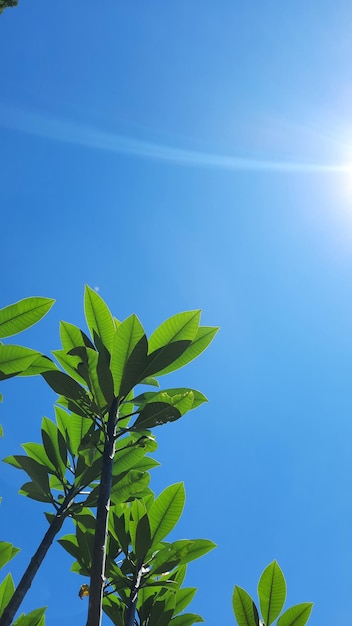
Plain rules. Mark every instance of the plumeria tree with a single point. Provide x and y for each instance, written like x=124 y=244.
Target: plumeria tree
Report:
x=93 y=466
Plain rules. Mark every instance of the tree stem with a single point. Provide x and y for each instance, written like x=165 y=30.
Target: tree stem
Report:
x=36 y=560
x=97 y=578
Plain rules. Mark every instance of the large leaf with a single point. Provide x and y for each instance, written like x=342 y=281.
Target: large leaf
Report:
x=19 y=316
x=297 y=615
x=71 y=393
x=15 y=359
x=70 y=364
x=180 y=552
x=88 y=368
x=99 y=319
x=129 y=353
x=271 y=592
x=201 y=341
x=143 y=538
x=245 y=610
x=114 y=609
x=165 y=511
x=7 y=588
x=7 y=552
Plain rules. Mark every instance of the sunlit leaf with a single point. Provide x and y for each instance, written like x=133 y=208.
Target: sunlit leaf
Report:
x=245 y=610
x=21 y=315
x=165 y=511
x=15 y=359
x=98 y=317
x=271 y=592
x=7 y=552
x=297 y=615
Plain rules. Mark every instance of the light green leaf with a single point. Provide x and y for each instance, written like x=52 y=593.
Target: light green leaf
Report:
x=74 y=426
x=70 y=364
x=99 y=319
x=165 y=511
x=297 y=615
x=15 y=359
x=271 y=592
x=163 y=409
x=19 y=316
x=179 y=327
x=245 y=610
x=7 y=588
x=7 y=552
x=41 y=364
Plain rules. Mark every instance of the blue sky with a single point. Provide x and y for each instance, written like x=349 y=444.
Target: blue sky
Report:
x=189 y=155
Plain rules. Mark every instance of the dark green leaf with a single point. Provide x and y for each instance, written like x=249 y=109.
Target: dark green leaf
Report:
x=297 y=615
x=37 y=472
x=54 y=445
x=114 y=609
x=35 y=492
x=143 y=538
x=245 y=610
x=271 y=592
x=19 y=316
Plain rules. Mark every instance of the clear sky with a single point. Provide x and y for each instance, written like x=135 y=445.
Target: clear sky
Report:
x=195 y=154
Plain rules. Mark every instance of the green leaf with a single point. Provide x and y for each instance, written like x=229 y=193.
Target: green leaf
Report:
x=245 y=610
x=182 y=326
x=186 y=620
x=271 y=592
x=35 y=618
x=163 y=409
x=143 y=537
x=148 y=396
x=297 y=615
x=165 y=511
x=70 y=364
x=15 y=360
x=99 y=319
x=41 y=364
x=37 y=472
x=35 y=492
x=74 y=426
x=184 y=597
x=88 y=368
x=7 y=589
x=178 y=553
x=7 y=552
x=73 y=337
x=68 y=388
x=150 y=381
x=114 y=609
x=170 y=340
x=37 y=452
x=19 y=316
x=129 y=353
x=55 y=446
x=201 y=341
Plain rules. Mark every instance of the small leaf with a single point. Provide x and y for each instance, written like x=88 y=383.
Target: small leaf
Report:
x=297 y=615
x=129 y=353
x=201 y=341
x=271 y=592
x=186 y=620
x=184 y=597
x=7 y=552
x=245 y=610
x=19 y=316
x=34 y=618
